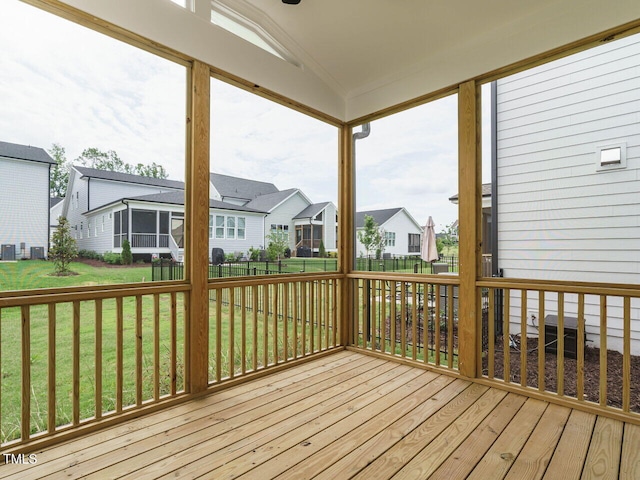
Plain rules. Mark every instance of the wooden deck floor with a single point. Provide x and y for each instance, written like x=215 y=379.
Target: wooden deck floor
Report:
x=351 y=416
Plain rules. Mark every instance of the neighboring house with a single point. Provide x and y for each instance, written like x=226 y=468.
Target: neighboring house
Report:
x=568 y=179
x=24 y=201
x=402 y=232
x=288 y=211
x=104 y=208
x=55 y=211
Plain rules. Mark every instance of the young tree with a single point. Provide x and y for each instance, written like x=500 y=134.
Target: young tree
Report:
x=95 y=158
x=278 y=242
x=126 y=256
x=59 y=172
x=64 y=248
x=371 y=236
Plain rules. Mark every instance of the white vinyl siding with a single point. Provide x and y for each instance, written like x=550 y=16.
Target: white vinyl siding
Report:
x=24 y=205
x=283 y=215
x=560 y=215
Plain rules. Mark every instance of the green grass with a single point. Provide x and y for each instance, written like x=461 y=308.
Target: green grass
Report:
x=29 y=274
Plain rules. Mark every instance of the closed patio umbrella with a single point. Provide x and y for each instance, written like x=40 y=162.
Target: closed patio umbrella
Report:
x=429 y=251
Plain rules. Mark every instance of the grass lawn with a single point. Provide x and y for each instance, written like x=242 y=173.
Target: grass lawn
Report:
x=28 y=274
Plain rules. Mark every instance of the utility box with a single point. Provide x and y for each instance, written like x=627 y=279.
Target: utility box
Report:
x=570 y=335
x=8 y=252
x=37 y=253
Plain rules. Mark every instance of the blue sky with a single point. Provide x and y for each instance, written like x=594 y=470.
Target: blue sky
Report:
x=66 y=84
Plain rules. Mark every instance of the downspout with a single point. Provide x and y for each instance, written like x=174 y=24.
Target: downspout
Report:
x=48 y=216
x=366 y=130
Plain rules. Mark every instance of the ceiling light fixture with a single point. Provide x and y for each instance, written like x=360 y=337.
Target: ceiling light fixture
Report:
x=291 y=2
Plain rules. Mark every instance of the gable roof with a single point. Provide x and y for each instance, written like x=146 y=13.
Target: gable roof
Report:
x=270 y=201
x=177 y=198
x=242 y=188
x=312 y=210
x=87 y=172
x=53 y=201
x=486 y=192
x=25 y=152
x=379 y=216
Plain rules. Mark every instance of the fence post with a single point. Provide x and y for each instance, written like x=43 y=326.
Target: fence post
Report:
x=279 y=266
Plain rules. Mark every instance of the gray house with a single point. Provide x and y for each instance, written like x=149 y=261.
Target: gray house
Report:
x=402 y=232
x=24 y=201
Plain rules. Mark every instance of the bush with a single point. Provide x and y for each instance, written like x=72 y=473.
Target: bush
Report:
x=112 y=258
x=126 y=256
x=90 y=254
x=254 y=254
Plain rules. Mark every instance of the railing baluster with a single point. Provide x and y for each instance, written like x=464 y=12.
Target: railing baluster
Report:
x=403 y=318
x=491 y=334
x=285 y=319
x=274 y=313
x=138 y=350
x=243 y=330
x=265 y=326
x=156 y=346
x=303 y=325
x=51 y=370
x=603 y=350
x=296 y=299
x=425 y=323
x=174 y=343
x=392 y=315
x=25 y=424
x=254 y=300
x=312 y=316
x=98 y=358
x=119 y=353
x=626 y=355
x=506 y=336
x=436 y=322
x=232 y=332
x=334 y=312
x=383 y=316
x=450 y=314
x=414 y=321
x=372 y=316
x=560 y=349
x=523 y=338
x=218 y=332
x=541 y=343
x=319 y=315
x=76 y=363
x=580 y=362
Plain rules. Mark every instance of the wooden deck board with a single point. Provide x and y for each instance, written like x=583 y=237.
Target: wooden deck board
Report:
x=350 y=415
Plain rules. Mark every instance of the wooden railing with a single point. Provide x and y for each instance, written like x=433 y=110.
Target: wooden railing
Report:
x=566 y=342
x=401 y=316
x=72 y=357
x=258 y=324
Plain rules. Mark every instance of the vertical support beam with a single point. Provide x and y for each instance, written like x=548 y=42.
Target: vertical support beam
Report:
x=470 y=188
x=346 y=231
x=196 y=225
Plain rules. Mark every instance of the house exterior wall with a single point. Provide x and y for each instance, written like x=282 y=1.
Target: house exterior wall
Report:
x=400 y=224
x=283 y=215
x=329 y=219
x=254 y=234
x=561 y=215
x=24 y=205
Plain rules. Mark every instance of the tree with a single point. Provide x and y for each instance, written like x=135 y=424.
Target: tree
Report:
x=64 y=248
x=111 y=161
x=59 y=172
x=371 y=236
x=278 y=242
x=127 y=258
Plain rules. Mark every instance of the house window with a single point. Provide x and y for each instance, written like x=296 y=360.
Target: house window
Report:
x=280 y=228
x=120 y=227
x=414 y=243
x=228 y=227
x=102 y=223
x=219 y=226
x=89 y=229
x=390 y=239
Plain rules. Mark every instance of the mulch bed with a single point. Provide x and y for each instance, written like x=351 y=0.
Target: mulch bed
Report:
x=100 y=263
x=591 y=373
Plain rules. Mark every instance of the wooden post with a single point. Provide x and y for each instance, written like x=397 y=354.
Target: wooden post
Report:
x=346 y=231
x=196 y=225
x=470 y=188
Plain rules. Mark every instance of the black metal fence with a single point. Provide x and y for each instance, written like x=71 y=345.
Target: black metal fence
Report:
x=164 y=269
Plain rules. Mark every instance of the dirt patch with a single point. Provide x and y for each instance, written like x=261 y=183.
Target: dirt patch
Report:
x=591 y=375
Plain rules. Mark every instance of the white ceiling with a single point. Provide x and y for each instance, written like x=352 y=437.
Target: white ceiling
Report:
x=362 y=56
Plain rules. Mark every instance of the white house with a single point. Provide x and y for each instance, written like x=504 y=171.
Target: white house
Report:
x=402 y=232
x=24 y=201
x=567 y=170
x=287 y=211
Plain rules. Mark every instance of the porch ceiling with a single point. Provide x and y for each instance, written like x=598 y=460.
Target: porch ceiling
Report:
x=360 y=56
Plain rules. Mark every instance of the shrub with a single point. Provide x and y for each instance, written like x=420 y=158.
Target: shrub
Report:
x=254 y=254
x=112 y=258
x=64 y=248
x=126 y=257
